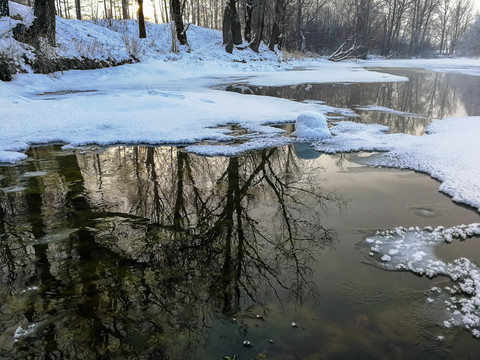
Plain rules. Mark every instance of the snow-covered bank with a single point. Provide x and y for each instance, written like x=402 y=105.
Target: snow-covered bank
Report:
x=103 y=43
x=447 y=65
x=164 y=99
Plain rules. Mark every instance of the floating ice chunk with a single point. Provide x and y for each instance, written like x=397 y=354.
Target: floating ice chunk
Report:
x=30 y=174
x=386 y=258
x=387 y=110
x=30 y=288
x=11 y=156
x=413 y=249
x=20 y=331
x=312 y=125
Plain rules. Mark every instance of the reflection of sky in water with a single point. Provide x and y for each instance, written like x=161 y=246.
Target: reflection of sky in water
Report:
x=118 y=238
x=429 y=95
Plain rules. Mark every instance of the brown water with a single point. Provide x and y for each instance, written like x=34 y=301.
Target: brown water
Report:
x=157 y=253
x=154 y=253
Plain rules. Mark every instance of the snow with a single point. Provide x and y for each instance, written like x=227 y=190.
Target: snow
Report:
x=312 y=126
x=449 y=152
x=323 y=71
x=21 y=332
x=414 y=250
x=446 y=65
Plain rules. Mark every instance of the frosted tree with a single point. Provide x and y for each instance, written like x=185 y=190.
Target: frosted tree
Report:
x=470 y=41
x=460 y=19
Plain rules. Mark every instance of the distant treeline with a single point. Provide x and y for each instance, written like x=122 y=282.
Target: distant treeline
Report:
x=330 y=27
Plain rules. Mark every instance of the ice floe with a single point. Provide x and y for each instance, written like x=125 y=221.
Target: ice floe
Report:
x=413 y=249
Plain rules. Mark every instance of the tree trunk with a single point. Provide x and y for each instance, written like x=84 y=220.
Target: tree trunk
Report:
x=155 y=13
x=231 y=26
x=260 y=24
x=278 y=21
x=125 y=14
x=44 y=24
x=176 y=10
x=248 y=20
x=142 y=33
x=4 y=10
x=165 y=7
x=105 y=9
x=78 y=10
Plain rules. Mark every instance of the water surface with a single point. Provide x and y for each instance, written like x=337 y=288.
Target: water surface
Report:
x=155 y=253
x=426 y=97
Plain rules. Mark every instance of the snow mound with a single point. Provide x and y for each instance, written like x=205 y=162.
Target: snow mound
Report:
x=413 y=250
x=312 y=125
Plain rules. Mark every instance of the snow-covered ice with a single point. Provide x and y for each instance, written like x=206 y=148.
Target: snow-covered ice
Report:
x=449 y=152
x=323 y=71
x=446 y=65
x=413 y=250
x=386 y=110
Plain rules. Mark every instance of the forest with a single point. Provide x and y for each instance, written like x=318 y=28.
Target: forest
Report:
x=339 y=29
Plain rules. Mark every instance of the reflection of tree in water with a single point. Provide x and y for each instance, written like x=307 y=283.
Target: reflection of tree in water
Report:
x=131 y=251
x=469 y=88
x=427 y=94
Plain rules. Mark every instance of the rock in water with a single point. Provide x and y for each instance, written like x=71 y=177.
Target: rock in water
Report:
x=312 y=125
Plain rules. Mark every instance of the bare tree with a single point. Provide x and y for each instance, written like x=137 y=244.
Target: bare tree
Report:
x=248 y=20
x=4 y=10
x=460 y=19
x=470 y=41
x=421 y=13
x=125 y=13
x=78 y=10
x=393 y=13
